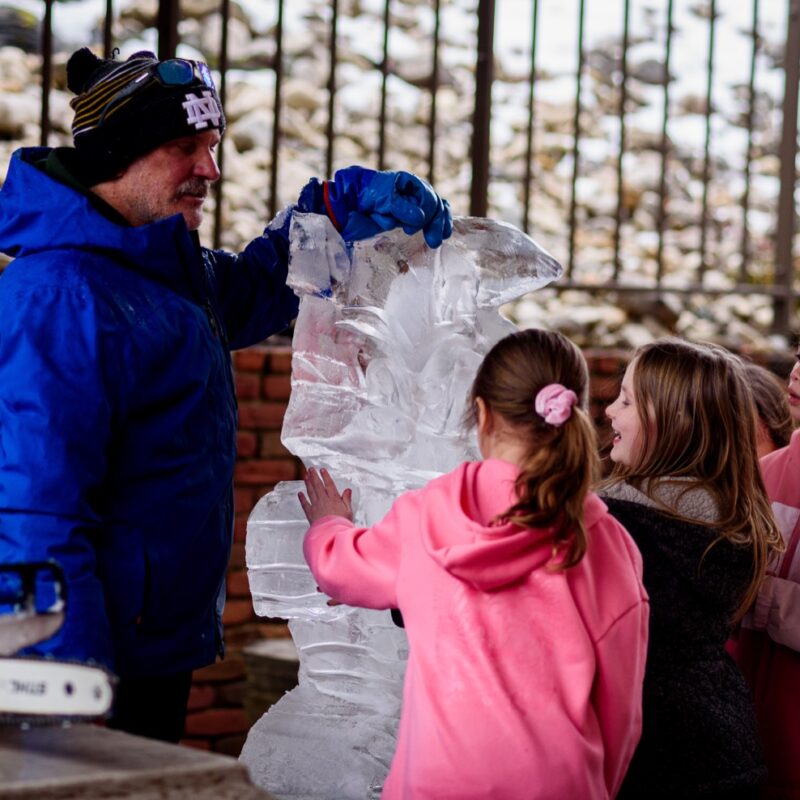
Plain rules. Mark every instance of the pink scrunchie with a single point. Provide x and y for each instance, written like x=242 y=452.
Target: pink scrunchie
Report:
x=554 y=403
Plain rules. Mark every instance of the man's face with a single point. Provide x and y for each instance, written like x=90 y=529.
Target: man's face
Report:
x=172 y=179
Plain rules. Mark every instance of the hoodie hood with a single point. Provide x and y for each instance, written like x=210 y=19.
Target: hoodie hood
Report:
x=467 y=544
x=39 y=213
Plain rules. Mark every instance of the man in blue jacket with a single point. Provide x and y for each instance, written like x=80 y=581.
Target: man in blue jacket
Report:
x=117 y=406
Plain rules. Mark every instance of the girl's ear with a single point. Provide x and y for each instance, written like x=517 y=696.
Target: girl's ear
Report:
x=484 y=416
x=764 y=443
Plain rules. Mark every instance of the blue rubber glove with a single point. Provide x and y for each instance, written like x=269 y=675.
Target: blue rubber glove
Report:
x=363 y=202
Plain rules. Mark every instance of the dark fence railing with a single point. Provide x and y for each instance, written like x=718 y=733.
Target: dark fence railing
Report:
x=776 y=279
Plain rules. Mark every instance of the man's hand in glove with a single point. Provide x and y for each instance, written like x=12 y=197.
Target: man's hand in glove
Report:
x=363 y=202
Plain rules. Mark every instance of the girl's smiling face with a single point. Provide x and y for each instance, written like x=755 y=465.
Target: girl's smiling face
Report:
x=794 y=388
x=625 y=423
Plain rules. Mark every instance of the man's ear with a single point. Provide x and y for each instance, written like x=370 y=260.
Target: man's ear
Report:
x=485 y=421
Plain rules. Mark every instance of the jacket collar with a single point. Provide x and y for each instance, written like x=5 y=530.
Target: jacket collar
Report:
x=675 y=495
x=39 y=213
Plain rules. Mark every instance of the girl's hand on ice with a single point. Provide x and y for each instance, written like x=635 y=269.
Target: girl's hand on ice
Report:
x=323 y=497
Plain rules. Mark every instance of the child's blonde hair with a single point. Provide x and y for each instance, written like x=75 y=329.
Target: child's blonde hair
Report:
x=698 y=421
x=561 y=462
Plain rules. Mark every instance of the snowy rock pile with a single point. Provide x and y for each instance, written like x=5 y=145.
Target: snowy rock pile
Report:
x=592 y=318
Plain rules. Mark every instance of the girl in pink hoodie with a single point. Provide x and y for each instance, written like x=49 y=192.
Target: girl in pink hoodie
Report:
x=522 y=597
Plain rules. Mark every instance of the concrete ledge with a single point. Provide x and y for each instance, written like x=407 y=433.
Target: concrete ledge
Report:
x=87 y=762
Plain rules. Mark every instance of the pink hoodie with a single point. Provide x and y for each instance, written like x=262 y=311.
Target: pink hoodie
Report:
x=522 y=681
x=768 y=645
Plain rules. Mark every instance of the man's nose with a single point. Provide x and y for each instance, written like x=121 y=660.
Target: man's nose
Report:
x=206 y=167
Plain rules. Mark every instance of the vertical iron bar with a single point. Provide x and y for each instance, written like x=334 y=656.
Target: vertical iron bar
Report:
x=108 y=42
x=484 y=75
x=276 y=114
x=526 y=189
x=168 y=15
x=434 y=91
x=712 y=24
x=225 y=11
x=384 y=76
x=47 y=71
x=784 y=304
x=331 y=89
x=576 y=127
x=748 y=159
x=661 y=219
x=623 y=98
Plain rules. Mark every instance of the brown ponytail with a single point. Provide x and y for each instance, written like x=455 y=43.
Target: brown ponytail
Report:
x=561 y=462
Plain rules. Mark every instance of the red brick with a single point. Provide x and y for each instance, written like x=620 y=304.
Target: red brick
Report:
x=271 y=445
x=237 y=611
x=231 y=669
x=262 y=471
x=244 y=499
x=607 y=362
x=262 y=416
x=258 y=628
x=280 y=359
x=240 y=528
x=274 y=630
x=276 y=387
x=604 y=389
x=201 y=696
x=252 y=359
x=238 y=557
x=246 y=444
x=232 y=694
x=248 y=385
x=196 y=744
x=597 y=411
x=230 y=745
x=216 y=722
x=238 y=584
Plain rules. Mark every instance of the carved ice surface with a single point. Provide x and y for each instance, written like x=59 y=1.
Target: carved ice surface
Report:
x=388 y=339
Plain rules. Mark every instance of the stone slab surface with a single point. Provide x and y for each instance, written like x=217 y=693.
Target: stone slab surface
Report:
x=87 y=762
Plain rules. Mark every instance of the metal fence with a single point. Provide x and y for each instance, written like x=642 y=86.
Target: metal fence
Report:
x=771 y=274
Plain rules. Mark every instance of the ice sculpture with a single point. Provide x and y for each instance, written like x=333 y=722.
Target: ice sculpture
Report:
x=386 y=344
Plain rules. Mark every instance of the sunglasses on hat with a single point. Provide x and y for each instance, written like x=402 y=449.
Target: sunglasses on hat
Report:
x=172 y=72
x=182 y=71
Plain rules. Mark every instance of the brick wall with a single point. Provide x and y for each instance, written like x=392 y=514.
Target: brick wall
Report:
x=216 y=719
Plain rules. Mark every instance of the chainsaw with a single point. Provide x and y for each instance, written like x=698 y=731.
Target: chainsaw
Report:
x=36 y=689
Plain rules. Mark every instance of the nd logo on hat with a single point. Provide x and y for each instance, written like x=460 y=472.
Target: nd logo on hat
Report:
x=201 y=110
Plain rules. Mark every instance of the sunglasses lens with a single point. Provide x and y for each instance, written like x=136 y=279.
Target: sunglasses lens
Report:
x=176 y=72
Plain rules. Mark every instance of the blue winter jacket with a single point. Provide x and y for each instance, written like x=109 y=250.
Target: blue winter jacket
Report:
x=118 y=415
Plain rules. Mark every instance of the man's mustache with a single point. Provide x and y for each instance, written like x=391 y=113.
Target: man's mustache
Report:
x=196 y=187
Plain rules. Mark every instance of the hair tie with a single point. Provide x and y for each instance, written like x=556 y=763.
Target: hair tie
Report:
x=554 y=403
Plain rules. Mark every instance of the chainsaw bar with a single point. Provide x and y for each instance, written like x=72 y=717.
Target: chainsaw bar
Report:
x=37 y=688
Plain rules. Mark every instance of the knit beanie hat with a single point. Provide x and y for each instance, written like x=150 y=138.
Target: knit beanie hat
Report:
x=125 y=109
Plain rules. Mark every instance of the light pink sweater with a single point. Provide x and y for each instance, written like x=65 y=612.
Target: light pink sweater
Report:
x=522 y=682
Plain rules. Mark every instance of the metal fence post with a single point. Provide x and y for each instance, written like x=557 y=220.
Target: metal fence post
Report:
x=222 y=64
x=784 y=272
x=168 y=15
x=108 y=42
x=484 y=72
x=47 y=71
